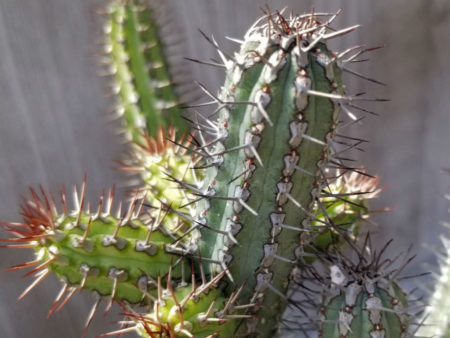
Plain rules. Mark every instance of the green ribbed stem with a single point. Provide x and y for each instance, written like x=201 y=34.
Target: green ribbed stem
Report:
x=271 y=144
x=142 y=82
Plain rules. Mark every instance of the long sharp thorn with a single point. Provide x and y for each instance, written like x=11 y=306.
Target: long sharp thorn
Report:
x=340 y=32
x=360 y=140
x=23 y=265
x=238 y=41
x=19 y=246
x=246 y=206
x=255 y=153
x=71 y=293
x=229 y=150
x=296 y=167
x=187 y=148
x=362 y=109
x=90 y=317
x=290 y=227
x=224 y=56
x=353 y=57
x=213 y=64
x=207 y=92
x=208 y=312
x=40 y=267
x=351 y=123
x=202 y=271
x=348 y=50
x=199 y=105
x=350 y=114
x=57 y=299
x=119 y=332
x=239 y=175
x=338 y=97
x=34 y=283
x=313 y=139
x=191 y=202
x=264 y=113
x=345 y=69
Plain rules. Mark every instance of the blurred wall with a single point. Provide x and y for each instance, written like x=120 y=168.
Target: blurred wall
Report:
x=53 y=118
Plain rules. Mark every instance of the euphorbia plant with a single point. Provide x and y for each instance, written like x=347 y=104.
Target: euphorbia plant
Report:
x=234 y=213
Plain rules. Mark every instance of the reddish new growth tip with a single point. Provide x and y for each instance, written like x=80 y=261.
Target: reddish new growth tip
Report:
x=38 y=218
x=163 y=143
x=39 y=213
x=165 y=140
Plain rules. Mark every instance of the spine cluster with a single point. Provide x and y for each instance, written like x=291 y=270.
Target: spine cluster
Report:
x=189 y=311
x=363 y=300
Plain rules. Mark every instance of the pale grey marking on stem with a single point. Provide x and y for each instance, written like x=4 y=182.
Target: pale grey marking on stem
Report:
x=325 y=61
x=302 y=86
x=241 y=194
x=259 y=113
x=290 y=162
x=374 y=306
x=370 y=285
x=237 y=74
x=232 y=229
x=269 y=252
x=276 y=61
x=301 y=58
x=119 y=275
x=258 y=128
x=262 y=279
x=337 y=276
x=345 y=320
x=142 y=283
x=247 y=59
x=224 y=257
x=276 y=220
x=109 y=240
x=143 y=246
x=215 y=160
x=59 y=235
x=283 y=190
x=80 y=242
x=297 y=130
x=250 y=167
x=381 y=334
x=84 y=269
x=351 y=293
x=251 y=141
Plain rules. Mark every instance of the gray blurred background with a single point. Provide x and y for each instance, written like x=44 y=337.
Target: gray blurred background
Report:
x=53 y=119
